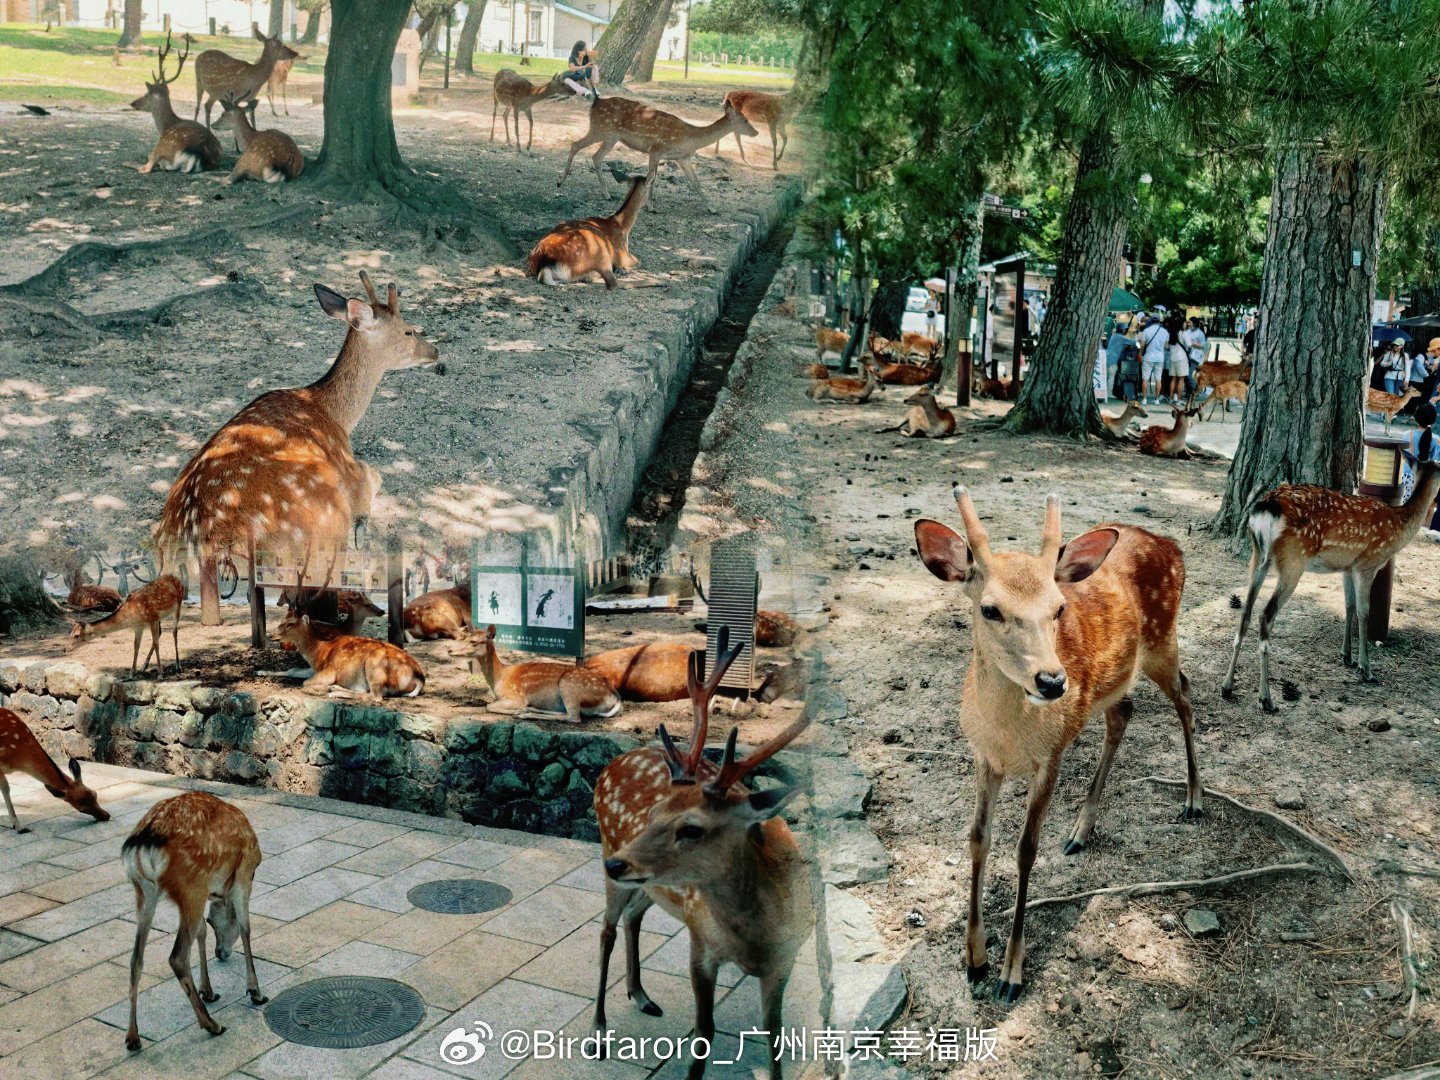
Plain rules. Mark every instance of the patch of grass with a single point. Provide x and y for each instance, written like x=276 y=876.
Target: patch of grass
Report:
x=39 y=94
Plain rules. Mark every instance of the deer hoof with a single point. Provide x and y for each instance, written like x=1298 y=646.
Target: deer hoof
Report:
x=651 y=1009
x=1228 y=693
x=219 y=1030
x=1007 y=993
x=977 y=974
x=1268 y=706
x=23 y=831
x=1368 y=676
x=257 y=998
x=1191 y=813
x=209 y=996
x=132 y=1044
x=1073 y=847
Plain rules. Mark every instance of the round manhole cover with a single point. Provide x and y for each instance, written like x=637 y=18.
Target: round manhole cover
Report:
x=463 y=896
x=345 y=1011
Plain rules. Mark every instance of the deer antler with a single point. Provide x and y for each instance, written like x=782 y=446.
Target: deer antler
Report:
x=702 y=689
x=184 y=55
x=732 y=771
x=1050 y=538
x=975 y=534
x=392 y=297
x=369 y=288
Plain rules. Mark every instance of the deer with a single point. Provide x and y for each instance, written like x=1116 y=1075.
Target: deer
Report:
x=910 y=344
x=1213 y=373
x=85 y=597
x=1058 y=636
x=268 y=156
x=343 y=663
x=1224 y=393
x=345 y=609
x=998 y=389
x=1387 y=406
x=812 y=371
x=183 y=146
x=218 y=75
x=592 y=245
x=21 y=752
x=279 y=80
x=1119 y=426
x=1299 y=527
x=828 y=340
x=541 y=688
x=903 y=373
x=1169 y=442
x=646 y=129
x=925 y=417
x=192 y=847
x=774 y=109
x=655 y=671
x=773 y=629
x=142 y=609
x=517 y=95
x=680 y=831
x=847 y=391
x=442 y=613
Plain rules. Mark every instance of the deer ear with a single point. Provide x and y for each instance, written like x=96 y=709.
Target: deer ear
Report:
x=331 y=302
x=1084 y=555
x=360 y=315
x=766 y=804
x=943 y=551
x=255 y=29
x=75 y=769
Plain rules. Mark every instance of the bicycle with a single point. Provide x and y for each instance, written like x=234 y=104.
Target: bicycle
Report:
x=131 y=562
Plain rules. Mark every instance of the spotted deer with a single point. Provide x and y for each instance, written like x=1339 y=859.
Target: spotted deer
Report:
x=774 y=110
x=680 y=831
x=1388 y=406
x=21 y=752
x=85 y=597
x=344 y=609
x=831 y=341
x=218 y=75
x=925 y=417
x=847 y=390
x=655 y=671
x=442 y=613
x=268 y=156
x=183 y=146
x=1058 y=637
x=659 y=134
x=1169 y=442
x=1224 y=393
x=904 y=373
x=1213 y=373
x=539 y=686
x=345 y=663
x=516 y=95
x=1299 y=527
x=191 y=848
x=593 y=245
x=143 y=609
x=1119 y=426
x=279 y=80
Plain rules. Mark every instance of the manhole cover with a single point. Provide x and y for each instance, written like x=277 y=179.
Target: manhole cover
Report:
x=463 y=896
x=345 y=1011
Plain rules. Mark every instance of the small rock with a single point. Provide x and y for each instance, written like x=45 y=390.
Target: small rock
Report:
x=1082 y=1062
x=1379 y=724
x=899 y=682
x=1169 y=922
x=1396 y=1030
x=1289 y=798
x=1011 y=480
x=1202 y=922
x=952 y=860
x=915 y=919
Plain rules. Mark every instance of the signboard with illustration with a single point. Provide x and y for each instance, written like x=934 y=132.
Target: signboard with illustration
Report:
x=539 y=609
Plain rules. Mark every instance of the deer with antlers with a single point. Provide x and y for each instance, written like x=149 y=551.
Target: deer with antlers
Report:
x=1058 y=637
x=183 y=146
x=517 y=95
x=268 y=156
x=925 y=418
x=218 y=75
x=280 y=80
x=542 y=688
x=1169 y=442
x=774 y=110
x=143 y=609
x=21 y=752
x=1299 y=527
x=593 y=245
x=679 y=831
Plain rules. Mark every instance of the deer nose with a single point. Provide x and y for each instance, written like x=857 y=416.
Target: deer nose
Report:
x=1050 y=686
x=616 y=867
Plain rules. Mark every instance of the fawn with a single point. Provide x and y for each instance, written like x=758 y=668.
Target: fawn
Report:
x=1388 y=406
x=1169 y=442
x=21 y=752
x=1213 y=373
x=773 y=109
x=193 y=847
x=443 y=613
x=342 y=662
x=269 y=156
x=847 y=391
x=279 y=80
x=1224 y=392
x=1119 y=426
x=142 y=609
x=517 y=95
x=682 y=832
x=543 y=686
x=1057 y=637
x=218 y=75
x=1299 y=527
x=925 y=417
x=183 y=146
x=656 y=671
x=828 y=340
x=593 y=245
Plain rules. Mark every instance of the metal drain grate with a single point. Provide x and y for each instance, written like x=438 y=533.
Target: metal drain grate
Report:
x=462 y=896
x=345 y=1011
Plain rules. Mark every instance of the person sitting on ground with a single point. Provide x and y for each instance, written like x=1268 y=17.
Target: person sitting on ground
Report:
x=584 y=66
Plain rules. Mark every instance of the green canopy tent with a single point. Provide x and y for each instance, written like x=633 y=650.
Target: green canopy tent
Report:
x=1124 y=300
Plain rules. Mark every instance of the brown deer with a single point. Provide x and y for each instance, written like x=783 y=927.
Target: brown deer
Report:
x=593 y=245
x=85 y=597
x=142 y=609
x=345 y=609
x=1057 y=637
x=812 y=371
x=1169 y=442
x=774 y=109
x=442 y=613
x=218 y=75
x=904 y=373
x=910 y=344
x=343 y=662
x=183 y=146
x=21 y=752
x=193 y=847
x=679 y=831
x=517 y=95
x=846 y=390
x=655 y=671
x=1119 y=426
x=268 y=156
x=1388 y=406
x=1213 y=373
x=646 y=129
x=828 y=340
x=1235 y=389
x=541 y=687
x=925 y=417
x=1306 y=527
x=279 y=80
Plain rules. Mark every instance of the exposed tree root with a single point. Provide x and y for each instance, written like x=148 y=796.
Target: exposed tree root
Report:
x=1400 y=912
x=51 y=309
x=1150 y=888
x=227 y=292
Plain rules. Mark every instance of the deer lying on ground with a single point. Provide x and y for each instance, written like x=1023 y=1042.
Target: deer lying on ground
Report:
x=655 y=671
x=193 y=847
x=998 y=389
x=1224 y=392
x=1306 y=527
x=343 y=662
x=925 y=417
x=142 y=609
x=650 y=131
x=1058 y=636
x=679 y=831
x=218 y=75
x=1119 y=426
x=773 y=109
x=910 y=344
x=517 y=95
x=773 y=629
x=442 y=613
x=85 y=597
x=593 y=245
x=903 y=373
x=539 y=686
x=21 y=752
x=345 y=609
x=1169 y=442
x=847 y=391
x=268 y=156
x=1388 y=406
x=183 y=146
x=279 y=80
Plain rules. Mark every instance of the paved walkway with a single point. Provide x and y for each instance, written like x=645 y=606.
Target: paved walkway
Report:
x=330 y=899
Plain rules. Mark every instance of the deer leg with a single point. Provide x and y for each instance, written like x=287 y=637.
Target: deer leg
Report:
x=772 y=1005
x=634 y=915
x=739 y=145
x=774 y=149
x=987 y=787
x=1042 y=785
x=702 y=980
x=652 y=173
x=614 y=905
x=10 y=806
x=1363 y=581
x=147 y=895
x=1348 y=649
x=135 y=653
x=688 y=168
x=596 y=158
x=1165 y=672
x=1284 y=588
x=575 y=148
x=1259 y=568
x=240 y=902
x=784 y=143
x=180 y=965
x=1117 y=717
x=609 y=276
x=207 y=992
x=175 y=637
x=494 y=111
x=209 y=106
x=320 y=681
x=530 y=141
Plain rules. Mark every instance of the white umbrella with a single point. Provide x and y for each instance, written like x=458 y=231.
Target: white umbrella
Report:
x=935 y=284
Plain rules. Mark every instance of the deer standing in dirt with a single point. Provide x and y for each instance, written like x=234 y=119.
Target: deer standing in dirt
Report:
x=267 y=156
x=1169 y=442
x=142 y=609
x=218 y=75
x=21 y=752
x=517 y=95
x=1058 y=637
x=679 y=831
x=279 y=80
x=925 y=417
x=191 y=848
x=828 y=340
x=846 y=390
x=183 y=146
x=1119 y=426
x=1224 y=392
x=539 y=686
x=343 y=662
x=659 y=134
x=1388 y=406
x=1306 y=527
x=774 y=109
x=443 y=613
x=593 y=245
x=655 y=671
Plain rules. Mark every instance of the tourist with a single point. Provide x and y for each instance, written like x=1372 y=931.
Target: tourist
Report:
x=1396 y=366
x=1248 y=339
x=1425 y=370
x=583 y=68
x=1420 y=445
x=1126 y=360
x=1241 y=325
x=1114 y=347
x=1177 y=362
x=1100 y=351
x=1154 y=339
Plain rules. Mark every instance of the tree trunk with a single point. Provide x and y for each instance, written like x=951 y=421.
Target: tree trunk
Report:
x=24 y=604
x=429 y=30
x=957 y=315
x=1303 y=418
x=624 y=39
x=1057 y=394
x=645 y=62
x=888 y=307
x=311 y=36
x=469 y=34
x=277 y=18
x=130 y=33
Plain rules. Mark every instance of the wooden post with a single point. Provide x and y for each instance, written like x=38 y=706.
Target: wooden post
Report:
x=395 y=599
x=1016 y=363
x=209 y=590
x=257 y=614
x=449 y=18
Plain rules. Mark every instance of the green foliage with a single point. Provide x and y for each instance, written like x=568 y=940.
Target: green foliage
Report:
x=774 y=49
x=745 y=17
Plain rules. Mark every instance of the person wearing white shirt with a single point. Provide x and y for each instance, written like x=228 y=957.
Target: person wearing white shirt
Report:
x=1153 y=341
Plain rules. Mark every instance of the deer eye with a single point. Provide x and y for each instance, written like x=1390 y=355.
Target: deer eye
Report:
x=689 y=832
x=1060 y=612
x=991 y=612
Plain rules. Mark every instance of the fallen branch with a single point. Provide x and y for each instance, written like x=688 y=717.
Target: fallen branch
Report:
x=1150 y=888
x=1400 y=912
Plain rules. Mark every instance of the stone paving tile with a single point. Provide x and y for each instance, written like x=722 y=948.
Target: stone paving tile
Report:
x=753 y=1063
x=590 y=875
x=123 y=819
x=422 y=932
x=59 y=1005
x=610 y=1069
x=390 y=892
x=360 y=958
x=73 y=917
x=530 y=871
x=309 y=893
x=295 y=863
x=194 y=1054
x=396 y=854
x=308 y=827
x=21 y=905
x=167 y=915
x=546 y=916
x=164 y=1009
x=291 y=1061
x=30 y=850
x=657 y=920
x=80 y=1050
x=672 y=994
x=28 y=876
x=367 y=834
x=563 y=966
x=93 y=855
x=476 y=854
x=740 y=1009
x=13 y=944
x=466 y=967
x=83 y=883
x=399 y=1068
x=158 y=946
x=63 y=958
x=673 y=958
x=311 y=936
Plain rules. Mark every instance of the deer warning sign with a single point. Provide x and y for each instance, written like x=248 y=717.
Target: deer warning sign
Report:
x=539 y=609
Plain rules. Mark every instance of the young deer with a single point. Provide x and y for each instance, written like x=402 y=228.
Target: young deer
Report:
x=21 y=752
x=925 y=417
x=1057 y=637
x=847 y=391
x=183 y=146
x=773 y=109
x=1214 y=373
x=342 y=662
x=594 y=245
x=1224 y=392
x=828 y=340
x=268 y=156
x=1388 y=406
x=1169 y=442
x=193 y=847
x=679 y=831
x=544 y=686
x=1120 y=425
x=1306 y=527
x=646 y=129
x=218 y=75
x=517 y=95
x=657 y=671
x=279 y=80
x=443 y=613
x=142 y=609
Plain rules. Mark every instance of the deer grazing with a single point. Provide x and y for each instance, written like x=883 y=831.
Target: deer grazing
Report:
x=656 y=671
x=774 y=109
x=646 y=129
x=1235 y=389
x=847 y=390
x=1057 y=637
x=925 y=417
x=593 y=245
x=539 y=686
x=1169 y=442
x=279 y=80
x=144 y=608
x=21 y=752
x=517 y=94
x=682 y=832
x=1306 y=527
x=1119 y=426
x=218 y=75
x=342 y=662
x=268 y=156
x=183 y=146
x=1388 y=406
x=443 y=613
x=193 y=847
